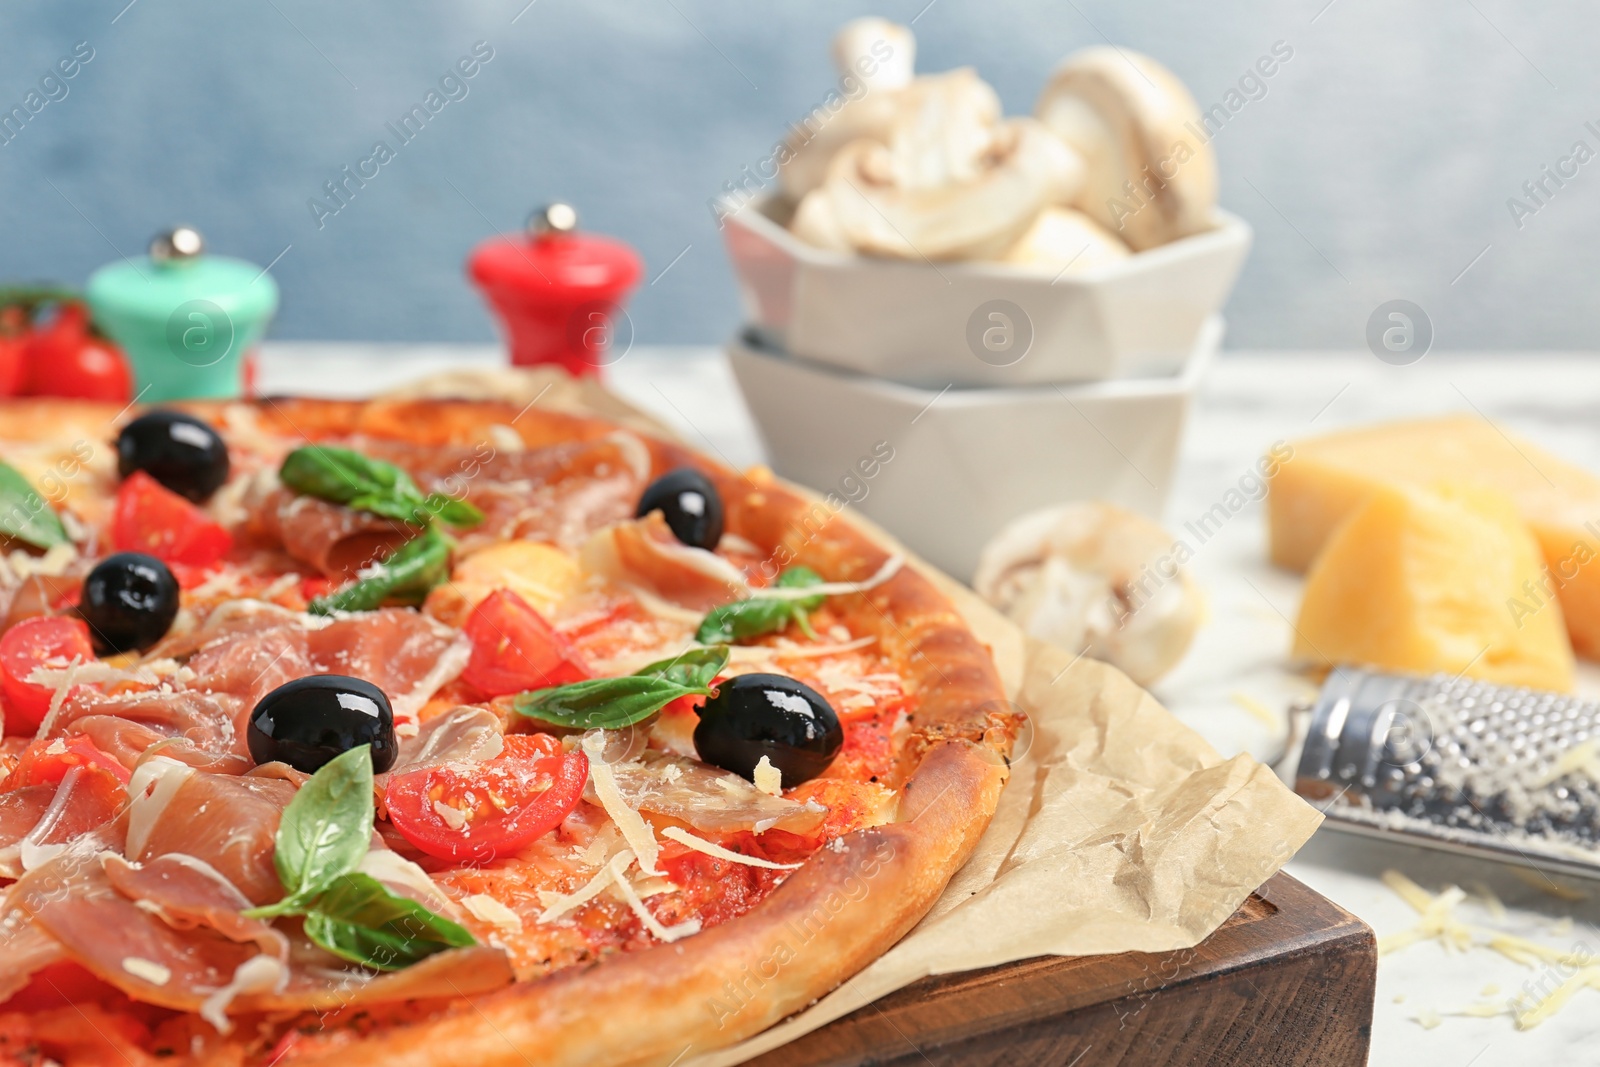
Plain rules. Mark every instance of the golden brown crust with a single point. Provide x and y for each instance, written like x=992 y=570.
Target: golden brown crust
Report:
x=849 y=903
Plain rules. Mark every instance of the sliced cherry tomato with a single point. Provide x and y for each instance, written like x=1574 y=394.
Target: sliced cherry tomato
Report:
x=514 y=649
x=495 y=808
x=33 y=643
x=65 y=358
x=151 y=518
x=47 y=762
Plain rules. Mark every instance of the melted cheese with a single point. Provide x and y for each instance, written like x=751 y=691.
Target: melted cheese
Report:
x=688 y=840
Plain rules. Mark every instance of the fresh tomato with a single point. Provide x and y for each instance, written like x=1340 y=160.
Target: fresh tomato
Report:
x=13 y=363
x=153 y=519
x=65 y=358
x=514 y=649
x=47 y=762
x=496 y=808
x=33 y=643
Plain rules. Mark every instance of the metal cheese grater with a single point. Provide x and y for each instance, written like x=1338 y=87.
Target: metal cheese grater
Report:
x=1460 y=765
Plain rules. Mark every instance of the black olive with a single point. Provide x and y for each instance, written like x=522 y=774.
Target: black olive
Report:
x=181 y=452
x=755 y=715
x=307 y=722
x=689 y=502
x=129 y=600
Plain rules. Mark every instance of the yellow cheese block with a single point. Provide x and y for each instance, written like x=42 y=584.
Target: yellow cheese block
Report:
x=1421 y=581
x=1326 y=478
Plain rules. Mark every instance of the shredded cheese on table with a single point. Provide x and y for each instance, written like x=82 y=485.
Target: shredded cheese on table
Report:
x=634 y=829
x=684 y=837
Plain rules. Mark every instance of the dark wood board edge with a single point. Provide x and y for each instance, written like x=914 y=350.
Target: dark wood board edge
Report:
x=1288 y=980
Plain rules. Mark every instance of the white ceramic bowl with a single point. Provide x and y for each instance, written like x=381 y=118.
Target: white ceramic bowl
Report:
x=943 y=470
x=924 y=324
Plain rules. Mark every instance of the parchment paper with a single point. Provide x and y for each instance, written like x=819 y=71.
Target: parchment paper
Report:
x=1120 y=829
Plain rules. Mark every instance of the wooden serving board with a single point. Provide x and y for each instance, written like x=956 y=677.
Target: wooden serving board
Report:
x=1288 y=981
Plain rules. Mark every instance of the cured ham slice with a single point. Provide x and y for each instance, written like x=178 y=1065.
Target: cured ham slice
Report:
x=560 y=494
x=710 y=800
x=129 y=725
x=85 y=800
x=334 y=539
x=226 y=822
x=163 y=933
x=643 y=553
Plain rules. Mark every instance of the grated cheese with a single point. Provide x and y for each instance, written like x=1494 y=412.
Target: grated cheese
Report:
x=557 y=905
x=454 y=818
x=258 y=974
x=662 y=933
x=487 y=909
x=147 y=970
x=768 y=779
x=634 y=829
x=685 y=838
x=890 y=567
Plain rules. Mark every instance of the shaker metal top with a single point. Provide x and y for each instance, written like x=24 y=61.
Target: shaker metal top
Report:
x=557 y=217
x=181 y=242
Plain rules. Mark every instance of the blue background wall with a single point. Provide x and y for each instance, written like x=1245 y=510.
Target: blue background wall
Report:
x=1377 y=165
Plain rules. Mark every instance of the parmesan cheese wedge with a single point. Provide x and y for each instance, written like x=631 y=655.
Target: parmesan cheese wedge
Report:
x=685 y=838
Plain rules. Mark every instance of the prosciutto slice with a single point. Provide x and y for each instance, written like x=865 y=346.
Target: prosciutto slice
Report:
x=161 y=934
x=561 y=493
x=228 y=823
x=334 y=539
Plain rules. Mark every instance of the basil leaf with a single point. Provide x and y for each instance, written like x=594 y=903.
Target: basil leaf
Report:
x=24 y=515
x=693 y=669
x=344 y=476
x=359 y=920
x=406 y=574
x=324 y=831
x=744 y=619
x=613 y=703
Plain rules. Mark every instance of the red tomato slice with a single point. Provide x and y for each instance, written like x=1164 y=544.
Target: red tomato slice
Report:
x=47 y=762
x=153 y=519
x=496 y=808
x=29 y=644
x=514 y=649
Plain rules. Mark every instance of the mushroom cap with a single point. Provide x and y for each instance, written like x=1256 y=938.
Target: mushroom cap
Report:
x=1063 y=241
x=1133 y=122
x=1095 y=579
x=946 y=186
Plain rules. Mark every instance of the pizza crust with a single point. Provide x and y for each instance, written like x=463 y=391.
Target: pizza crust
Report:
x=845 y=907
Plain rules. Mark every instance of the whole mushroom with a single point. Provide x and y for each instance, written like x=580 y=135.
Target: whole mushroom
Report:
x=1095 y=579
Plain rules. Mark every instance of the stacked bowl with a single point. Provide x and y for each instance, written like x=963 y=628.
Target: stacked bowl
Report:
x=949 y=359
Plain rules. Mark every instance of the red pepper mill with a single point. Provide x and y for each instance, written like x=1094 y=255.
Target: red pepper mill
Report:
x=558 y=292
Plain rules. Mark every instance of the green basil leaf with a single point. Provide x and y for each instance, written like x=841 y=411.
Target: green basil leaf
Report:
x=407 y=574
x=613 y=703
x=326 y=828
x=692 y=669
x=453 y=511
x=744 y=619
x=344 y=476
x=24 y=515
x=601 y=703
x=359 y=920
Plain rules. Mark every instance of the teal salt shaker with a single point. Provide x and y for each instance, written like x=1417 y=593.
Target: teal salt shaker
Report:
x=187 y=320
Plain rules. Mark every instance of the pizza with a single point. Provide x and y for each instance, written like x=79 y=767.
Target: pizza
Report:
x=436 y=731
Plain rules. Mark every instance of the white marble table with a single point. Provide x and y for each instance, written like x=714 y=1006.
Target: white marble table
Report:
x=1250 y=401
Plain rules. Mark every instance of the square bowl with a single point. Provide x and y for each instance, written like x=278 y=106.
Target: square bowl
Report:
x=980 y=324
x=943 y=470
